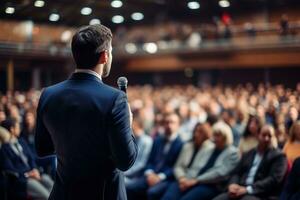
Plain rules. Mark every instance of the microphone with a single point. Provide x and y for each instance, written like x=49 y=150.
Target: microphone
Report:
x=122 y=83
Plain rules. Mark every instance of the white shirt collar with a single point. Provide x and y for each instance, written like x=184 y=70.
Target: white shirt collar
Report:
x=173 y=137
x=88 y=71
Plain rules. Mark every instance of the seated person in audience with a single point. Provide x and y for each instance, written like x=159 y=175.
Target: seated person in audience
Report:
x=260 y=173
x=292 y=146
x=159 y=169
x=144 y=143
x=249 y=139
x=48 y=164
x=211 y=165
x=291 y=189
x=16 y=157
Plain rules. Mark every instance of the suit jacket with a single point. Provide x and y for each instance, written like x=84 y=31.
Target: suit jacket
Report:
x=86 y=124
x=269 y=175
x=181 y=168
x=223 y=166
x=164 y=163
x=12 y=162
x=291 y=190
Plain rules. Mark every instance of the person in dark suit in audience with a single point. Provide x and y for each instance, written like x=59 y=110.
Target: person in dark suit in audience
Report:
x=159 y=169
x=204 y=176
x=16 y=157
x=87 y=124
x=260 y=173
x=291 y=189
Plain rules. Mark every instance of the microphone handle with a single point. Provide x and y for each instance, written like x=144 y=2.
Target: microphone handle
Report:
x=123 y=88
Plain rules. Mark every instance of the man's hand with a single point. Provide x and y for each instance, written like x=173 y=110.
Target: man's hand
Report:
x=242 y=191
x=152 y=179
x=35 y=174
x=185 y=184
x=236 y=191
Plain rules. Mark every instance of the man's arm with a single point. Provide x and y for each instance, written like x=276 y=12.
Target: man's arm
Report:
x=43 y=142
x=143 y=155
x=122 y=142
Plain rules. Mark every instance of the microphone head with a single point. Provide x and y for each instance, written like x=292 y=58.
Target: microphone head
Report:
x=122 y=82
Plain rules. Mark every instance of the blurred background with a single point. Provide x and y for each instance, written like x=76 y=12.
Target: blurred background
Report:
x=236 y=61
x=198 y=42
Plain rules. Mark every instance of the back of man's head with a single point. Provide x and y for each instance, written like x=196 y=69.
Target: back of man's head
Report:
x=88 y=43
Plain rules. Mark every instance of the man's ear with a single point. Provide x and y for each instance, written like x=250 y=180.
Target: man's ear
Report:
x=103 y=57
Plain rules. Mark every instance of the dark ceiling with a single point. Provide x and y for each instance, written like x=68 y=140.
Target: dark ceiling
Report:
x=153 y=10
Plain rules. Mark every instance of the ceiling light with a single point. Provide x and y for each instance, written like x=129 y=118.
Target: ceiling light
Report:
x=137 y=16
x=150 y=47
x=39 y=3
x=131 y=48
x=95 y=21
x=117 y=19
x=9 y=10
x=116 y=4
x=86 y=11
x=224 y=3
x=193 y=5
x=54 y=17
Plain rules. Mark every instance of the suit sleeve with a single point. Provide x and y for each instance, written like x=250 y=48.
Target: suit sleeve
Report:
x=291 y=189
x=30 y=156
x=122 y=142
x=236 y=174
x=7 y=164
x=43 y=142
x=275 y=177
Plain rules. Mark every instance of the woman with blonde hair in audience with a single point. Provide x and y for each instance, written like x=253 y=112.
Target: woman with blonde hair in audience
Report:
x=292 y=147
x=204 y=179
x=249 y=139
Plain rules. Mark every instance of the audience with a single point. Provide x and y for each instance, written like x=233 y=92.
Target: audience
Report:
x=292 y=146
x=203 y=178
x=159 y=169
x=244 y=108
x=260 y=173
x=17 y=157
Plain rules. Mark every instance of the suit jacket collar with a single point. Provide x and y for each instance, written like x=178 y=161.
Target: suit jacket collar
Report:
x=84 y=76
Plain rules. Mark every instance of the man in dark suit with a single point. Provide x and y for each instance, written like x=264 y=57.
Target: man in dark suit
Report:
x=159 y=168
x=87 y=124
x=16 y=158
x=291 y=189
x=260 y=173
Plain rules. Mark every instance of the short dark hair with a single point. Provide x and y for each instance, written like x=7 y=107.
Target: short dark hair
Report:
x=9 y=123
x=88 y=43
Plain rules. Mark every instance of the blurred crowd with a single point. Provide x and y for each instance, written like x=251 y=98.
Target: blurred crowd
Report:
x=210 y=142
x=220 y=29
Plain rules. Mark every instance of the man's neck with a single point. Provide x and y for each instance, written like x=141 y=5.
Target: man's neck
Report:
x=90 y=71
x=172 y=136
